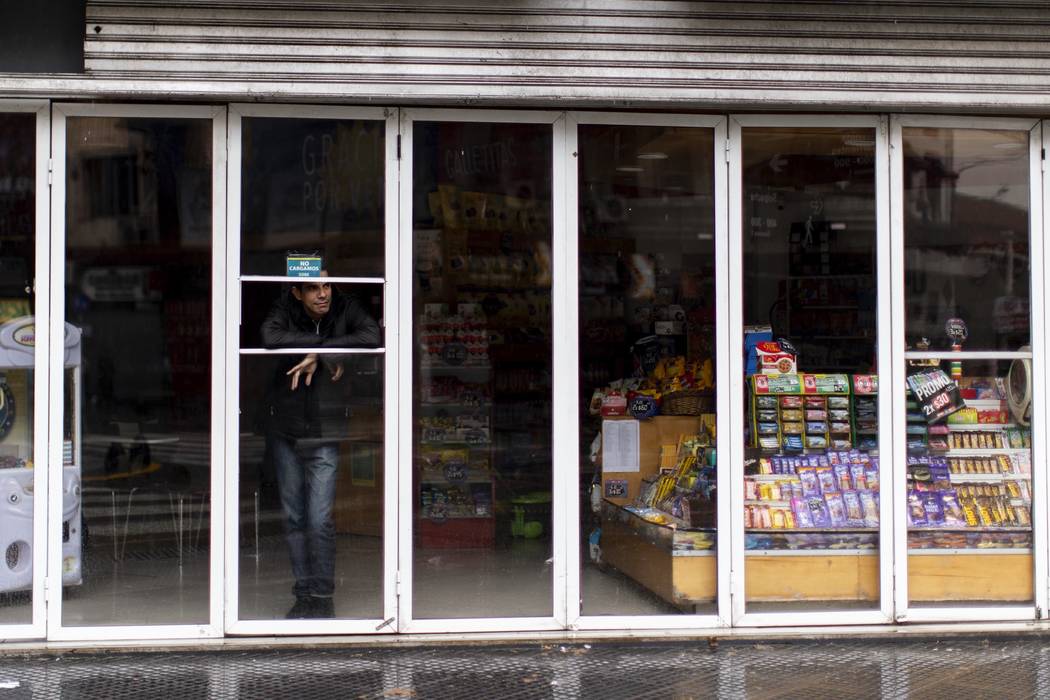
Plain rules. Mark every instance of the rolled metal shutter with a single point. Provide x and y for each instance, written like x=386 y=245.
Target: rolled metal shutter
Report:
x=843 y=54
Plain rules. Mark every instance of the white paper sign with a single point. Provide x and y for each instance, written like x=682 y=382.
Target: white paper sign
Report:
x=620 y=446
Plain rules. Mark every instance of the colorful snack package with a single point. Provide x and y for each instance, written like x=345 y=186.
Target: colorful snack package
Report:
x=818 y=512
x=816 y=402
x=836 y=509
x=840 y=427
x=840 y=443
x=870 y=506
x=816 y=427
x=842 y=477
x=791 y=402
x=858 y=477
x=792 y=414
x=838 y=402
x=916 y=509
x=854 y=510
x=750 y=490
x=768 y=415
x=931 y=503
x=816 y=414
x=951 y=510
x=768 y=428
x=793 y=442
x=826 y=478
x=766 y=401
x=803 y=518
x=778 y=520
x=792 y=428
x=765 y=465
x=768 y=442
x=838 y=415
x=816 y=442
x=809 y=482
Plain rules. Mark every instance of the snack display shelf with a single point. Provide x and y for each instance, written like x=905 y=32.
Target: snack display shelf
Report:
x=856 y=552
x=983 y=528
x=454 y=443
x=987 y=478
x=969 y=550
x=979 y=426
x=980 y=452
x=471 y=477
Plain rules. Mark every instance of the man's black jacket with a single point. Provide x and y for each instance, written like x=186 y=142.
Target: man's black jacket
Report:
x=319 y=410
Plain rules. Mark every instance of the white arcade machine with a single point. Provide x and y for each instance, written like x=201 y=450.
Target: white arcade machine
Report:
x=17 y=343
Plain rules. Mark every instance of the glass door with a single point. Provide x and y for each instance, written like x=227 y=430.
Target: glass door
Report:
x=24 y=217
x=810 y=258
x=648 y=233
x=481 y=515
x=310 y=469
x=135 y=380
x=970 y=473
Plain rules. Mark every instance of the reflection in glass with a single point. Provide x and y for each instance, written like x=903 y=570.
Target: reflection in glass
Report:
x=967 y=253
x=811 y=484
x=17 y=260
x=647 y=333
x=311 y=476
x=481 y=252
x=138 y=405
x=313 y=185
x=969 y=440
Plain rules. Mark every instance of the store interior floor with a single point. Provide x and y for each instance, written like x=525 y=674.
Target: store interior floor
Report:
x=512 y=580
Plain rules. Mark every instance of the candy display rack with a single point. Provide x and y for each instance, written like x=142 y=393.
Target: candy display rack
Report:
x=969 y=492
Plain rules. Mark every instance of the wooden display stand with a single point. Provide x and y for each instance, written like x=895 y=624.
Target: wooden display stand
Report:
x=680 y=578
x=1000 y=576
x=777 y=577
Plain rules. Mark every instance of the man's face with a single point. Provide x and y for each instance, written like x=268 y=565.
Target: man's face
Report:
x=316 y=298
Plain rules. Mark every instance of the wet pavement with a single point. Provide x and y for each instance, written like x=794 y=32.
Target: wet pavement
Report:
x=957 y=669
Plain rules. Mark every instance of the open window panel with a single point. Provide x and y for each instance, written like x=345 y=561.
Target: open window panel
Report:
x=310 y=467
x=809 y=271
x=647 y=247
x=135 y=404
x=969 y=391
x=24 y=217
x=482 y=512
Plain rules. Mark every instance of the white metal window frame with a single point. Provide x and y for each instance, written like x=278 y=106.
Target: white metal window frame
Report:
x=569 y=385
x=905 y=612
x=37 y=628
x=213 y=627
x=563 y=448
x=386 y=623
x=883 y=613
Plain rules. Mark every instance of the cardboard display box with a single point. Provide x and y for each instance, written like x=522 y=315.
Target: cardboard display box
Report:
x=653 y=433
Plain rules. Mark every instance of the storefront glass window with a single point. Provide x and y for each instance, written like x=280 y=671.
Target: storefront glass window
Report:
x=482 y=433
x=967 y=275
x=137 y=395
x=647 y=334
x=17 y=261
x=311 y=438
x=811 y=469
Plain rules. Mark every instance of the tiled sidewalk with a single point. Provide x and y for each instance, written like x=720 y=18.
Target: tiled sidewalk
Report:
x=956 y=669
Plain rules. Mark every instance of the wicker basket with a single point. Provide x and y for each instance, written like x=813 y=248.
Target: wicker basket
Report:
x=688 y=402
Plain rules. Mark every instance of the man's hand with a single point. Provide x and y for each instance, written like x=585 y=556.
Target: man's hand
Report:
x=304 y=369
x=337 y=372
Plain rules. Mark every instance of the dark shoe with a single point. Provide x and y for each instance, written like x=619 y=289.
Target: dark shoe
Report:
x=323 y=608
x=303 y=609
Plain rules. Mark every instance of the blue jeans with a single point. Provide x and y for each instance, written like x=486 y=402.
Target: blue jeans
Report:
x=306 y=473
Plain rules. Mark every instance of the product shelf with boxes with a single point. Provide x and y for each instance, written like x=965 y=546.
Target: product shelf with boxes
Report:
x=969 y=500
x=811 y=488
x=455 y=486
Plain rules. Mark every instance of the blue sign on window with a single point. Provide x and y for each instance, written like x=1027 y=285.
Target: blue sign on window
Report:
x=304 y=265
